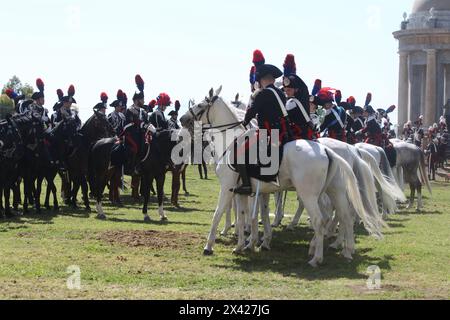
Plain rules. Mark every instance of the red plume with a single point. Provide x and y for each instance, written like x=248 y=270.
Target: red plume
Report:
x=71 y=91
x=104 y=97
x=258 y=58
x=163 y=100
x=139 y=83
x=60 y=94
x=352 y=101
x=9 y=92
x=177 y=105
x=120 y=95
x=152 y=103
x=40 y=84
x=289 y=65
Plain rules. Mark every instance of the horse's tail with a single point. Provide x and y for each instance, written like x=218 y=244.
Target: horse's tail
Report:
x=423 y=172
x=388 y=187
x=373 y=221
x=386 y=169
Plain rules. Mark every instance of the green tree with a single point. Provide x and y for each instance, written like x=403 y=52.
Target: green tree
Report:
x=15 y=84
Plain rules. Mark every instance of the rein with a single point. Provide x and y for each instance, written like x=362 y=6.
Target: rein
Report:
x=208 y=126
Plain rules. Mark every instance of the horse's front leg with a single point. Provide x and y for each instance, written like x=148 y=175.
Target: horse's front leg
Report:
x=37 y=194
x=224 y=201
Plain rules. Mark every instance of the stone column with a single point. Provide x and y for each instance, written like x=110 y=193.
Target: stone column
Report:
x=447 y=82
x=431 y=89
x=403 y=90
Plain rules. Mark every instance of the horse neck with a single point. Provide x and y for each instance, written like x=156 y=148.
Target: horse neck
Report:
x=222 y=115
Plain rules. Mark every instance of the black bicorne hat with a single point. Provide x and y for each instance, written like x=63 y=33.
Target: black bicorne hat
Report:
x=358 y=110
x=267 y=69
x=369 y=109
x=99 y=106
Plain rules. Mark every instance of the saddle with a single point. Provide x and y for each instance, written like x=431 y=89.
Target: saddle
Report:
x=256 y=168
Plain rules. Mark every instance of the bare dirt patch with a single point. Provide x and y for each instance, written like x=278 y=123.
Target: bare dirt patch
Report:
x=151 y=239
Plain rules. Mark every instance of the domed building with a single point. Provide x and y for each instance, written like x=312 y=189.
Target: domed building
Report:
x=424 y=49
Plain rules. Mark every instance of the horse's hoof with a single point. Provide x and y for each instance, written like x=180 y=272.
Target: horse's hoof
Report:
x=237 y=252
x=187 y=194
x=264 y=248
x=101 y=217
x=208 y=253
x=313 y=264
x=147 y=219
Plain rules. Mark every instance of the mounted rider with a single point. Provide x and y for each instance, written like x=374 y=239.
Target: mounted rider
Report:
x=102 y=106
x=297 y=105
x=136 y=120
x=37 y=107
x=64 y=110
x=157 y=118
x=117 y=117
x=336 y=117
x=17 y=98
x=173 y=121
x=269 y=107
x=372 y=131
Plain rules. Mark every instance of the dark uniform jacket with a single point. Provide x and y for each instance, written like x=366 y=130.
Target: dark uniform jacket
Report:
x=64 y=113
x=158 y=120
x=372 y=131
x=173 y=125
x=117 y=121
x=266 y=109
x=335 y=129
x=301 y=124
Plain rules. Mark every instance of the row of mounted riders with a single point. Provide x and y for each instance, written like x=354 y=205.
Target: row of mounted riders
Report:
x=88 y=156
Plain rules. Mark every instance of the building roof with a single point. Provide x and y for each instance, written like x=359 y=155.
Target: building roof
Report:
x=426 y=5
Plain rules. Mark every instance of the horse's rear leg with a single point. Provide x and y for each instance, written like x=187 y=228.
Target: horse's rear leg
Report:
x=412 y=196
x=7 y=192
x=267 y=239
x=85 y=191
x=318 y=223
x=37 y=194
x=419 y=198
x=176 y=185
x=183 y=178
x=160 y=190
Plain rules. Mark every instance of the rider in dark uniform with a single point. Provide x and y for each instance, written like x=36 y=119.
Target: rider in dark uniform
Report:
x=117 y=118
x=136 y=120
x=336 y=117
x=173 y=121
x=15 y=97
x=37 y=107
x=65 y=111
x=269 y=107
x=157 y=118
x=297 y=105
x=372 y=130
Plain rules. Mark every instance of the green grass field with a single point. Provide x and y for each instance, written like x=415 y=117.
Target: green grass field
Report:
x=123 y=258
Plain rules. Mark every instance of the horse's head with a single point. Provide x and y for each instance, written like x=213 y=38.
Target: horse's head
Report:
x=97 y=127
x=212 y=111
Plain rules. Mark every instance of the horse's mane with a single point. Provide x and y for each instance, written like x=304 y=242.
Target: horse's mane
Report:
x=238 y=114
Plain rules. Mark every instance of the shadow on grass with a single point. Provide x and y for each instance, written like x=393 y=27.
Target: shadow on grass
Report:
x=153 y=222
x=289 y=257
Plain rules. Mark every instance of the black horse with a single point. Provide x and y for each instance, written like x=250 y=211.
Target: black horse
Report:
x=95 y=129
x=11 y=151
x=154 y=167
x=31 y=129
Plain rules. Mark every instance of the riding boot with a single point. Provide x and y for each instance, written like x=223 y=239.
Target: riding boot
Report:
x=246 y=187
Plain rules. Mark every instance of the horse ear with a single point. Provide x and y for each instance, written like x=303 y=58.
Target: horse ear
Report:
x=218 y=91
x=211 y=93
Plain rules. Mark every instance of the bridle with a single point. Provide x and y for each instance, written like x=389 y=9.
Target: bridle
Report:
x=205 y=127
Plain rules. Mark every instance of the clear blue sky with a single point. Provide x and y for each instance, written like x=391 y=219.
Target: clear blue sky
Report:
x=185 y=47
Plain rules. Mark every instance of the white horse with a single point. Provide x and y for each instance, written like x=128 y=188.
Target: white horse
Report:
x=308 y=167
